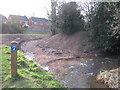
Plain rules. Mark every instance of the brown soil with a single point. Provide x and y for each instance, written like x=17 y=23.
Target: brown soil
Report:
x=76 y=44
x=74 y=49
x=71 y=46
x=59 y=65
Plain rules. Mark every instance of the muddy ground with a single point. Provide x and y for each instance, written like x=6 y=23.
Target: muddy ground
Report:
x=74 y=71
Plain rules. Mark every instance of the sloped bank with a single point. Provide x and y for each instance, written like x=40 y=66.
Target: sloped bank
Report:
x=74 y=44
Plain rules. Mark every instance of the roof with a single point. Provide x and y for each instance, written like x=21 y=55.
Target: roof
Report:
x=2 y=16
x=18 y=17
x=36 y=19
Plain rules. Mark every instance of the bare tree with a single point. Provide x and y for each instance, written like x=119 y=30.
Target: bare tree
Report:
x=88 y=10
x=53 y=16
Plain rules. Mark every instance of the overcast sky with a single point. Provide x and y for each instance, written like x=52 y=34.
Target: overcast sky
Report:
x=37 y=8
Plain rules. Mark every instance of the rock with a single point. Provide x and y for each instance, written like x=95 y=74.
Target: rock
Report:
x=52 y=51
x=7 y=53
x=43 y=49
x=58 y=52
x=83 y=64
x=86 y=51
x=77 y=56
x=71 y=67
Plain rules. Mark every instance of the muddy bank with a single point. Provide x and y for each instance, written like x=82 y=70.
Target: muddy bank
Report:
x=74 y=72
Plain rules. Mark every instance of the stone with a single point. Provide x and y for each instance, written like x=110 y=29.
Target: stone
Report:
x=77 y=56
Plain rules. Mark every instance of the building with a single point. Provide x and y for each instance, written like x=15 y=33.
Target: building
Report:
x=18 y=20
x=38 y=23
x=3 y=19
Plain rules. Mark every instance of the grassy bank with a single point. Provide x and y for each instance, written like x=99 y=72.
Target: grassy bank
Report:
x=7 y=38
x=30 y=75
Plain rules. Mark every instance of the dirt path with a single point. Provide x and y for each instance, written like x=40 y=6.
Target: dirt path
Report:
x=74 y=72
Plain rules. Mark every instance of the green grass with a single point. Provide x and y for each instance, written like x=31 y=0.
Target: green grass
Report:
x=37 y=31
x=35 y=36
x=30 y=75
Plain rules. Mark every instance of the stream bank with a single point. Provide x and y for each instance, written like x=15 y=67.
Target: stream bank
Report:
x=71 y=71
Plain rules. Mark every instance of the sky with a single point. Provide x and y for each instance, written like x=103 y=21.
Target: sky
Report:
x=37 y=8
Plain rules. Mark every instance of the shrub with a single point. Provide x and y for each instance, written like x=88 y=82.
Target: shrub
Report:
x=105 y=28
x=11 y=29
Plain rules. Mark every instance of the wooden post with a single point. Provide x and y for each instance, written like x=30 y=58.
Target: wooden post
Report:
x=14 y=47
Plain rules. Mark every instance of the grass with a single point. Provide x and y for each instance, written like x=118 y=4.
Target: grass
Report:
x=34 y=36
x=30 y=75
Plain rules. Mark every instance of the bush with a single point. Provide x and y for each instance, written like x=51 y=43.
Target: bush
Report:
x=105 y=28
x=11 y=29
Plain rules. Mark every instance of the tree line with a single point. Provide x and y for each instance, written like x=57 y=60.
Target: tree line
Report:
x=100 y=19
